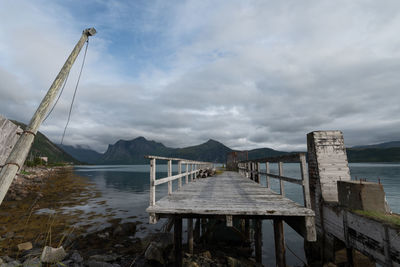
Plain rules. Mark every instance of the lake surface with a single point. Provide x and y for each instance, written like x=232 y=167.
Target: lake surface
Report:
x=125 y=192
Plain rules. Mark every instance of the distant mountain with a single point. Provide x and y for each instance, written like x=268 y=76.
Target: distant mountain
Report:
x=374 y=154
x=380 y=145
x=133 y=152
x=210 y=151
x=43 y=147
x=264 y=153
x=81 y=153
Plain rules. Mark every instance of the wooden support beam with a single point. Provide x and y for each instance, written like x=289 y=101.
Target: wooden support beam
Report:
x=258 y=240
x=190 y=235
x=281 y=183
x=169 y=175
x=187 y=174
x=18 y=154
x=267 y=171
x=229 y=221
x=178 y=240
x=180 y=172
x=247 y=229
x=305 y=180
x=203 y=229
x=152 y=182
x=197 y=230
x=280 y=253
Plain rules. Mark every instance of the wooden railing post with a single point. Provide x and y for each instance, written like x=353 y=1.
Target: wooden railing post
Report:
x=281 y=184
x=169 y=174
x=187 y=174
x=152 y=181
x=304 y=178
x=267 y=171
x=258 y=170
x=251 y=171
x=191 y=172
x=180 y=172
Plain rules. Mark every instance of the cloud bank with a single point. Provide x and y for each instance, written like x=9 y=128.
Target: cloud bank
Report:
x=247 y=73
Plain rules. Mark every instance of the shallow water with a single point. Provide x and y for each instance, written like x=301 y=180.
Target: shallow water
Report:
x=125 y=193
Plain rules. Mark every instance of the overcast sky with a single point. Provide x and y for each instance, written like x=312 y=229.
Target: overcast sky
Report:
x=246 y=73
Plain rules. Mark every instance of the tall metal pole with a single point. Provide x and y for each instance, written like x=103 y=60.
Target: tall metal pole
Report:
x=21 y=149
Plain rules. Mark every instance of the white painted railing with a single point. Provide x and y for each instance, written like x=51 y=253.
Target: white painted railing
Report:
x=190 y=173
x=251 y=169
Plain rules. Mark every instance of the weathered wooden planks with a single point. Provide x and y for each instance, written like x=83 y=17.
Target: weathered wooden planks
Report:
x=227 y=194
x=8 y=138
x=373 y=238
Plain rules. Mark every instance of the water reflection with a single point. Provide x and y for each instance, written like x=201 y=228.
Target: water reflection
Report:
x=125 y=189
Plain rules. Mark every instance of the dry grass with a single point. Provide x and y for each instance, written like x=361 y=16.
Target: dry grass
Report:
x=61 y=189
x=385 y=217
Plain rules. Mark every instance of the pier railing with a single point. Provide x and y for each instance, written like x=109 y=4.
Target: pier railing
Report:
x=192 y=168
x=251 y=169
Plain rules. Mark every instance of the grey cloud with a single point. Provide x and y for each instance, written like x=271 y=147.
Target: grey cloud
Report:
x=249 y=74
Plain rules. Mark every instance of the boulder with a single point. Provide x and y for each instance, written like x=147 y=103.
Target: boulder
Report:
x=9 y=235
x=12 y=264
x=76 y=257
x=104 y=258
x=25 y=246
x=52 y=255
x=35 y=262
x=93 y=263
x=154 y=253
x=125 y=229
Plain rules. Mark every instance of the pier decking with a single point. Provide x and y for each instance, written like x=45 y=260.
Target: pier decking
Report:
x=232 y=196
x=227 y=194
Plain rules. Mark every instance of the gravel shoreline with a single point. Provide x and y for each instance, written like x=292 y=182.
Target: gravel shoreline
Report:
x=24 y=231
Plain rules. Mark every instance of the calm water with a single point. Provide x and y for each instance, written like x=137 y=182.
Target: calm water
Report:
x=125 y=191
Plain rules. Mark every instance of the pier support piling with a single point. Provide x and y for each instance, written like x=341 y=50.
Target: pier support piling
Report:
x=280 y=249
x=197 y=230
x=178 y=240
x=190 y=235
x=258 y=240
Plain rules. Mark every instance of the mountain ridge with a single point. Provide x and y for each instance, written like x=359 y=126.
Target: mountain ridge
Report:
x=133 y=152
x=44 y=147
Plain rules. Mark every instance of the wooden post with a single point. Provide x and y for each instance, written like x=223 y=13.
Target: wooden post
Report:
x=187 y=174
x=152 y=181
x=258 y=170
x=191 y=172
x=169 y=175
x=178 y=240
x=267 y=171
x=247 y=229
x=17 y=157
x=203 y=227
x=280 y=253
x=281 y=183
x=197 y=230
x=304 y=178
x=258 y=240
x=190 y=235
x=180 y=172
x=251 y=171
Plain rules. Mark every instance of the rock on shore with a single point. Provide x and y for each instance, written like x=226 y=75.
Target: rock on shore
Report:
x=27 y=181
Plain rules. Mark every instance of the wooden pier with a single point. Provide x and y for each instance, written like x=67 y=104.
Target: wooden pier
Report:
x=231 y=196
x=329 y=215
